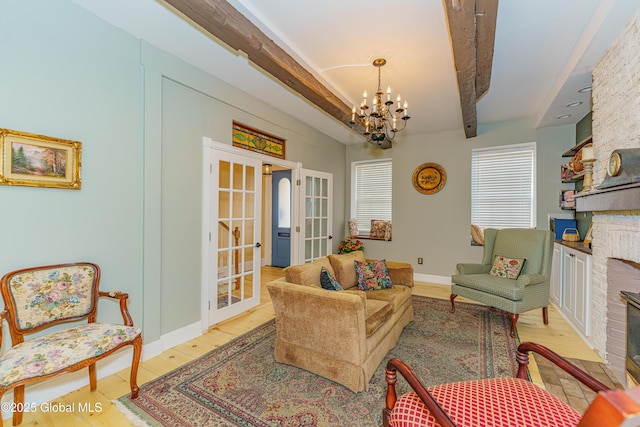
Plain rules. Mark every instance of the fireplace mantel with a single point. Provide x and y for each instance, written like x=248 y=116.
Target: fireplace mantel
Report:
x=622 y=198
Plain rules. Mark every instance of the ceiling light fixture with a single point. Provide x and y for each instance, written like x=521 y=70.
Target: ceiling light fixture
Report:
x=585 y=89
x=573 y=104
x=381 y=123
x=564 y=116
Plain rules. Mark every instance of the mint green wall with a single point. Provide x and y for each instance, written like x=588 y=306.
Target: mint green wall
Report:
x=141 y=115
x=194 y=104
x=583 y=127
x=69 y=75
x=437 y=227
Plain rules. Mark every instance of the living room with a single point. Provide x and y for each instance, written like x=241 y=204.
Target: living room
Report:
x=141 y=114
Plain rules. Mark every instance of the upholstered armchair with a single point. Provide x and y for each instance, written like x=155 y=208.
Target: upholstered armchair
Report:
x=514 y=274
x=504 y=402
x=41 y=297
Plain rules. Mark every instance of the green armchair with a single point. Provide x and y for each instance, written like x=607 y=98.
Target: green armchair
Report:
x=528 y=291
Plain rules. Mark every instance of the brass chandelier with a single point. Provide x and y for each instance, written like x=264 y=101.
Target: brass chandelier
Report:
x=384 y=120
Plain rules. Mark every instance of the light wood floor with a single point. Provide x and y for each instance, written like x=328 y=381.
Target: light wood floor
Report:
x=558 y=335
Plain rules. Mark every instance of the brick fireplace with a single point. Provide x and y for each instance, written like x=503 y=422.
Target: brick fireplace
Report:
x=616 y=233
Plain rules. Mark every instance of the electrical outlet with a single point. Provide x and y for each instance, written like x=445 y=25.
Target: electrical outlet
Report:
x=419 y=260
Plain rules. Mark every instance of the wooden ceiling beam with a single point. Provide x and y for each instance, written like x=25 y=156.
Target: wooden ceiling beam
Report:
x=472 y=26
x=223 y=21
x=486 y=17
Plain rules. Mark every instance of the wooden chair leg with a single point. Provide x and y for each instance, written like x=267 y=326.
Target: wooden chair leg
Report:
x=453 y=305
x=514 y=320
x=133 y=379
x=93 y=379
x=18 y=400
x=545 y=315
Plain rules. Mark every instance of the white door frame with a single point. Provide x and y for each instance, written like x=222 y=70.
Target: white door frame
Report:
x=207 y=145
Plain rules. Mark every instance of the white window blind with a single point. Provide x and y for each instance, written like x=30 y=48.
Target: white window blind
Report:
x=371 y=192
x=503 y=186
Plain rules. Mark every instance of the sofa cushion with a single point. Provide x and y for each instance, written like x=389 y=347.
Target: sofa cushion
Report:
x=328 y=282
x=395 y=296
x=308 y=274
x=509 y=268
x=345 y=269
x=378 y=312
x=372 y=275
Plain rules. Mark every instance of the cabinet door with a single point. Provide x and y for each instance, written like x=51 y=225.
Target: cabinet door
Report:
x=581 y=292
x=556 y=276
x=568 y=294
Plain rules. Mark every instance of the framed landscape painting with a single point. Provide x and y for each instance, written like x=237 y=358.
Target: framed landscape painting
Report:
x=39 y=161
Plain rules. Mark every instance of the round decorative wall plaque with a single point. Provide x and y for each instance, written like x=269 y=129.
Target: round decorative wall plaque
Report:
x=429 y=178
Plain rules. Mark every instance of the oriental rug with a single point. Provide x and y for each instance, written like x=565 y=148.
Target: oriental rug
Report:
x=240 y=383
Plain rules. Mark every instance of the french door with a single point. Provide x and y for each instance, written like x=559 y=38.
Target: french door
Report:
x=232 y=224
x=235 y=194
x=316 y=208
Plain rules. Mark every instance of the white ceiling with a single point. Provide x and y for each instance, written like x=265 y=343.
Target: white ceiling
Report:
x=544 y=52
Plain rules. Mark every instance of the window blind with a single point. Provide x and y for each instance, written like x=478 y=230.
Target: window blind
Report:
x=372 y=193
x=503 y=186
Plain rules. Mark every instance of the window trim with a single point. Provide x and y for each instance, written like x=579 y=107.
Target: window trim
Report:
x=364 y=233
x=525 y=146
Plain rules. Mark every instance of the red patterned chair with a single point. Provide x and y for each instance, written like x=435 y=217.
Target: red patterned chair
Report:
x=505 y=402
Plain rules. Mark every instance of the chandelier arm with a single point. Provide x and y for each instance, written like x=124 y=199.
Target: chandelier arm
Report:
x=381 y=122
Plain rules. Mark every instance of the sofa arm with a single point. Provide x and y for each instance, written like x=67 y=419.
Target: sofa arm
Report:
x=315 y=318
x=401 y=273
x=464 y=268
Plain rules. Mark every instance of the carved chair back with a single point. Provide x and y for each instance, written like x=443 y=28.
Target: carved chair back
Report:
x=40 y=297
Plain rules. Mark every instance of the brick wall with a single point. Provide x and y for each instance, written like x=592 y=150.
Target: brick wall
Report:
x=616 y=124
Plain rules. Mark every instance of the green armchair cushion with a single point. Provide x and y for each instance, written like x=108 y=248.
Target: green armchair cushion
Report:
x=500 y=286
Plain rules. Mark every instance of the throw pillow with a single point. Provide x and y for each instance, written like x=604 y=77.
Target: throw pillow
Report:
x=372 y=275
x=509 y=268
x=328 y=282
x=379 y=228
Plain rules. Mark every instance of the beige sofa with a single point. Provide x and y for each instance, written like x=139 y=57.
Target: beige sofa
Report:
x=340 y=335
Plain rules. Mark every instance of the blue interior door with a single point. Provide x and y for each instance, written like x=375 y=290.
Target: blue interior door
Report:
x=281 y=219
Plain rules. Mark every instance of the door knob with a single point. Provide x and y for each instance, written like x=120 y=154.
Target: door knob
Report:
x=258 y=245
x=330 y=237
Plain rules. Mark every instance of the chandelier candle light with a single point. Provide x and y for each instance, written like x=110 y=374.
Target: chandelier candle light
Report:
x=382 y=122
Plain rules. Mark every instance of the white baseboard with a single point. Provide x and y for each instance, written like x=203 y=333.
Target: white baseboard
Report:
x=438 y=280
x=37 y=394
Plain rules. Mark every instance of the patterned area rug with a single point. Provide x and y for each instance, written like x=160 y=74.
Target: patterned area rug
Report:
x=240 y=383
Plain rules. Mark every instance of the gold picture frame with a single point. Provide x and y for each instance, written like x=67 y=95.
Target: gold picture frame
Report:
x=32 y=160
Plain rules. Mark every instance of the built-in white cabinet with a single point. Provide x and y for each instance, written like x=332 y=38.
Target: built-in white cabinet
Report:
x=571 y=286
x=554 y=294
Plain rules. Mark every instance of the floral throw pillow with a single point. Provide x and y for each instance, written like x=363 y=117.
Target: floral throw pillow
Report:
x=509 y=268
x=328 y=281
x=380 y=229
x=372 y=275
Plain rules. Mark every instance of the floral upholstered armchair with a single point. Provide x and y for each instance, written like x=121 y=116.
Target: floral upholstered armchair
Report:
x=40 y=297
